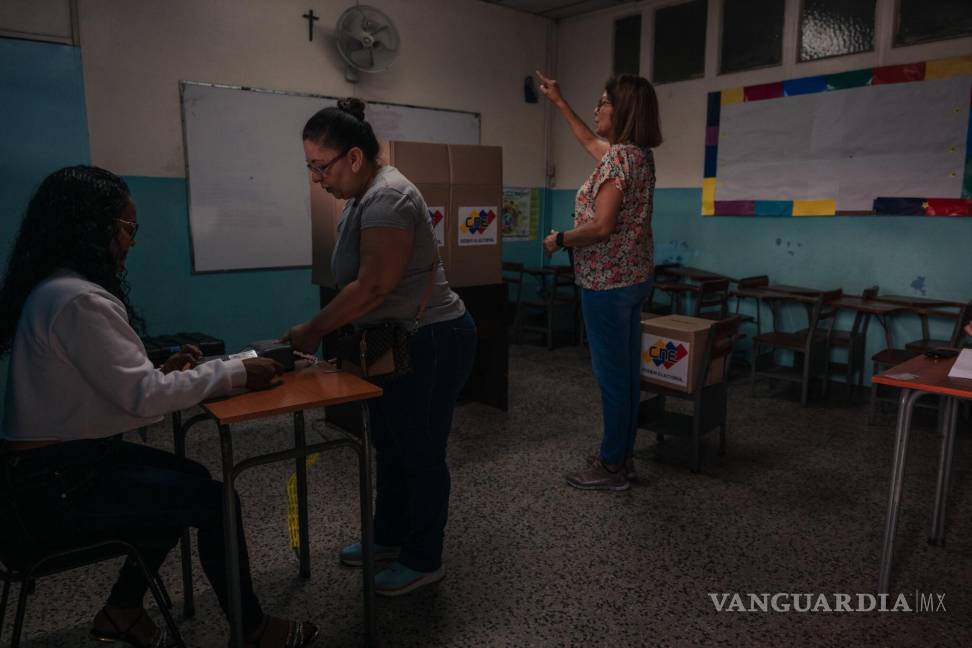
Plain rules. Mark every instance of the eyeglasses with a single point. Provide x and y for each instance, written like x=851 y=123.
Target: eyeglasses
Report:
x=603 y=101
x=320 y=170
x=130 y=226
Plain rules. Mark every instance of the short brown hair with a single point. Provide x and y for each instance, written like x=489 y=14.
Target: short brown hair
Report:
x=635 y=119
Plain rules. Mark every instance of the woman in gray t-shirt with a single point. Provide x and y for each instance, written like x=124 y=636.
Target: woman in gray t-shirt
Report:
x=386 y=264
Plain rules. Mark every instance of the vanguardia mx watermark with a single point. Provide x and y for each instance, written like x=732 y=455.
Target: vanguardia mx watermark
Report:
x=832 y=602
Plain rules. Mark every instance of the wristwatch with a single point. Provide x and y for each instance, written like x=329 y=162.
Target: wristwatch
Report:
x=560 y=240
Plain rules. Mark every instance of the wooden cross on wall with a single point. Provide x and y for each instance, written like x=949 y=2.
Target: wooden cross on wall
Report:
x=310 y=23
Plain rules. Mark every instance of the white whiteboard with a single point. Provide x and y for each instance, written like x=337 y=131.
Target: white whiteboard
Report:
x=249 y=199
x=850 y=146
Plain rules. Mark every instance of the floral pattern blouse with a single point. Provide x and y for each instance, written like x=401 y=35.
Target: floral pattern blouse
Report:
x=626 y=258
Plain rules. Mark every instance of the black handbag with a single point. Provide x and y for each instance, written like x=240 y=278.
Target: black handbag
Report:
x=379 y=352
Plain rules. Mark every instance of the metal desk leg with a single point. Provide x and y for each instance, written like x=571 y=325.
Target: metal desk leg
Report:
x=304 y=533
x=230 y=524
x=908 y=398
x=367 y=525
x=949 y=416
x=185 y=545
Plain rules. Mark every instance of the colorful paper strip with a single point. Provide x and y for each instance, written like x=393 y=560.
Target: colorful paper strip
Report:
x=947 y=68
x=708 y=196
x=899 y=206
x=948 y=207
x=732 y=96
x=806 y=85
x=735 y=208
x=774 y=208
x=763 y=91
x=711 y=152
x=846 y=80
x=814 y=207
x=712 y=136
x=899 y=73
x=712 y=112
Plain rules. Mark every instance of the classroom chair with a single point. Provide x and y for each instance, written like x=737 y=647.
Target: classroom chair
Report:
x=954 y=340
x=809 y=347
x=708 y=401
x=558 y=293
x=16 y=567
x=661 y=280
x=757 y=281
x=854 y=342
x=712 y=300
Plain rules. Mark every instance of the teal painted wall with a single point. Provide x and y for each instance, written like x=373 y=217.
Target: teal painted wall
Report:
x=902 y=255
x=44 y=128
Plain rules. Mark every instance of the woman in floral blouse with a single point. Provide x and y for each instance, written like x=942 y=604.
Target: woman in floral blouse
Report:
x=613 y=252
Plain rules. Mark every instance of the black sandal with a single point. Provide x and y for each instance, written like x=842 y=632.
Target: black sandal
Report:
x=299 y=634
x=159 y=640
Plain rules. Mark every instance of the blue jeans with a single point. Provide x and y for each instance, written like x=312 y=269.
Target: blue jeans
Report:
x=613 y=321
x=410 y=430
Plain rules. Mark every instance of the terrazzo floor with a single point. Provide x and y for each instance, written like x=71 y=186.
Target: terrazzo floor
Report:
x=796 y=505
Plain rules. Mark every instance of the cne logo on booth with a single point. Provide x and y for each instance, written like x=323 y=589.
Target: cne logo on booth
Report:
x=664 y=352
x=436 y=216
x=477 y=222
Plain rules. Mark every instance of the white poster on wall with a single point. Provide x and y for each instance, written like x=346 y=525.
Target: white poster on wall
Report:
x=477 y=225
x=437 y=216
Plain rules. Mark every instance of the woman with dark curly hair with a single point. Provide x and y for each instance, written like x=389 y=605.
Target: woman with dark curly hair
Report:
x=79 y=378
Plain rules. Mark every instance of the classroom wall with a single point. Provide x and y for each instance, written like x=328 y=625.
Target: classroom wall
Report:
x=455 y=54
x=904 y=255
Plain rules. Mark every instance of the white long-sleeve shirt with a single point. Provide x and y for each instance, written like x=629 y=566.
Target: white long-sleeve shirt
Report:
x=79 y=371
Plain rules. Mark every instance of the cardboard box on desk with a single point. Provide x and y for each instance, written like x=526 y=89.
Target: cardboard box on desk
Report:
x=475 y=241
x=672 y=348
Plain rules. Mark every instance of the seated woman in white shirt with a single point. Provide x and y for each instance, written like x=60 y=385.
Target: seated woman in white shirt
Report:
x=78 y=378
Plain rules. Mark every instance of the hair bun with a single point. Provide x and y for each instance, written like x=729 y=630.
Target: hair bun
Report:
x=353 y=106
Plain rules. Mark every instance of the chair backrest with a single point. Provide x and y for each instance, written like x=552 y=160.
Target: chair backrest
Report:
x=512 y=272
x=660 y=273
x=722 y=338
x=870 y=293
x=753 y=282
x=713 y=298
x=562 y=285
x=958 y=334
x=823 y=313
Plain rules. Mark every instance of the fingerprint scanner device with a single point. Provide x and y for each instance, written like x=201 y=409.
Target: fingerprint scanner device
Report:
x=282 y=352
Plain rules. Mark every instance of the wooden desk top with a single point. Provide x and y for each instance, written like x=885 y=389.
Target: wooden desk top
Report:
x=766 y=292
x=793 y=290
x=317 y=386
x=695 y=274
x=932 y=377
x=872 y=306
x=918 y=302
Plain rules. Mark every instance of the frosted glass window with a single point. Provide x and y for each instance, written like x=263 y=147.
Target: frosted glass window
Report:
x=836 y=27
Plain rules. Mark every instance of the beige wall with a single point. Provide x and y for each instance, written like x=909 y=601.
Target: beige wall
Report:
x=457 y=54
x=584 y=63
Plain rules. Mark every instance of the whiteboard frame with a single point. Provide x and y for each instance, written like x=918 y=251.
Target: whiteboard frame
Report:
x=223 y=86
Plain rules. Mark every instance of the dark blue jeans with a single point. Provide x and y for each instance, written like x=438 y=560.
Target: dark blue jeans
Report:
x=613 y=321
x=79 y=492
x=410 y=431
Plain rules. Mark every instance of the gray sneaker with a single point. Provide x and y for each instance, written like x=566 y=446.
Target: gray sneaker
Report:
x=599 y=476
x=629 y=466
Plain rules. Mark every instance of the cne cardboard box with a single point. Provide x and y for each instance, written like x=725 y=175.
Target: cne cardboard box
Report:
x=672 y=347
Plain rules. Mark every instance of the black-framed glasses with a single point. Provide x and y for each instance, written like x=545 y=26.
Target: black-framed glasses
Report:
x=320 y=169
x=130 y=226
x=603 y=101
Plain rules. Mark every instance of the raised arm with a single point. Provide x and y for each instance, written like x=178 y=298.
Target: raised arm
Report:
x=593 y=144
